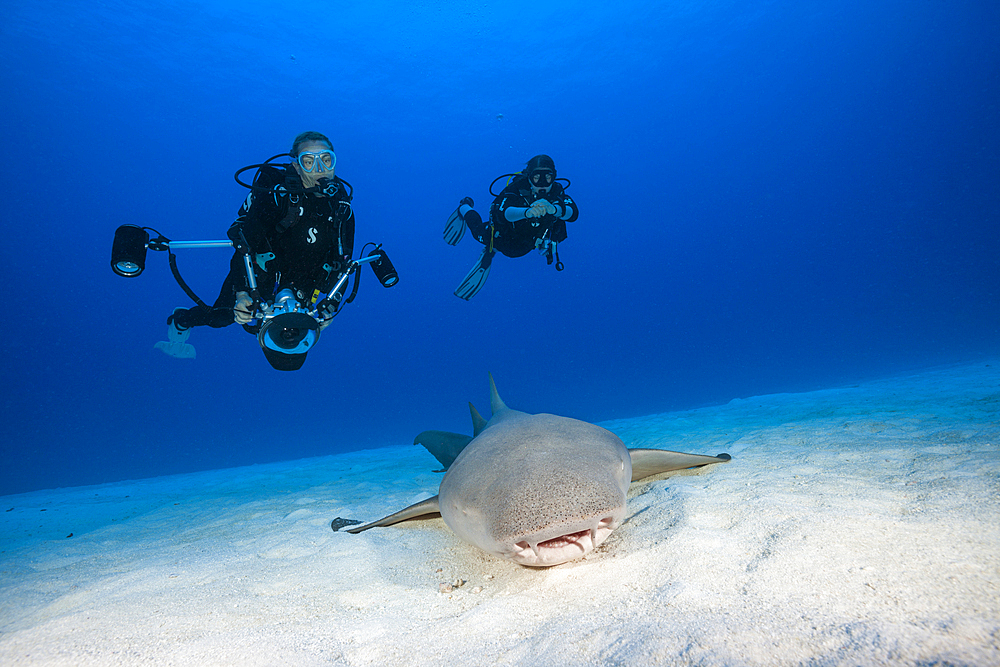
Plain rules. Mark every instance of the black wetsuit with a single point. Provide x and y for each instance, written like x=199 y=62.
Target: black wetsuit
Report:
x=311 y=238
x=515 y=239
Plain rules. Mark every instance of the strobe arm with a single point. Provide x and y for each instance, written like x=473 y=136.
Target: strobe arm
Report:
x=239 y=241
x=173 y=245
x=351 y=267
x=381 y=266
x=128 y=254
x=128 y=259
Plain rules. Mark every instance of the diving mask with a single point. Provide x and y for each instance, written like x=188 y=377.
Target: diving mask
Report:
x=318 y=161
x=542 y=178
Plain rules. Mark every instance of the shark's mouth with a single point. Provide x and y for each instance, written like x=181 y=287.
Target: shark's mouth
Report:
x=548 y=551
x=563 y=540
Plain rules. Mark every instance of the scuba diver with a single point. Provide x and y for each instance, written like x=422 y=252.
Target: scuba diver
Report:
x=294 y=239
x=530 y=213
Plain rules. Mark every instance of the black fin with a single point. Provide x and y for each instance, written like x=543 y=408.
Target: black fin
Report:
x=340 y=522
x=476 y=278
x=454 y=229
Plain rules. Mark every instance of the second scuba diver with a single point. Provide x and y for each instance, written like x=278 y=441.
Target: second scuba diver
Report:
x=530 y=213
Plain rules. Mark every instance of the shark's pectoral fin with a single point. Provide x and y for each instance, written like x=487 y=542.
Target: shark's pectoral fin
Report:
x=423 y=509
x=443 y=445
x=647 y=462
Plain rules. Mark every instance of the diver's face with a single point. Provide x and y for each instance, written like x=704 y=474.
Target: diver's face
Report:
x=541 y=180
x=317 y=156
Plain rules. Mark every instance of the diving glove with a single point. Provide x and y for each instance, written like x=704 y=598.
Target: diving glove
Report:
x=242 y=311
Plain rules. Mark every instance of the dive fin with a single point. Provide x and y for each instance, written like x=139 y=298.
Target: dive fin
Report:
x=178 y=350
x=176 y=345
x=648 y=462
x=454 y=229
x=444 y=446
x=477 y=276
x=423 y=509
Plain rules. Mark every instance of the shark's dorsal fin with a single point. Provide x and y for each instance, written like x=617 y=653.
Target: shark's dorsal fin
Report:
x=444 y=446
x=478 y=423
x=648 y=462
x=496 y=403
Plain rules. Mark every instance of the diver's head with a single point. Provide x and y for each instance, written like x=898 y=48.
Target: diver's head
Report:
x=314 y=158
x=541 y=171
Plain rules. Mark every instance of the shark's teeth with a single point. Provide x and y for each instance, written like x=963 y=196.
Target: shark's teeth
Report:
x=542 y=550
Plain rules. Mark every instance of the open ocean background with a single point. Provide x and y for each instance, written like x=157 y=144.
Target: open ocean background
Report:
x=774 y=197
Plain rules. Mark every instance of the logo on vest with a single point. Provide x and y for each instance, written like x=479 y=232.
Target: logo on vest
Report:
x=312 y=235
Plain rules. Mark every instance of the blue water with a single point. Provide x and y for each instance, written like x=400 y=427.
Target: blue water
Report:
x=774 y=197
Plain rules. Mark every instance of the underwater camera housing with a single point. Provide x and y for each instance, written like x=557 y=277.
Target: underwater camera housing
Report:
x=287 y=333
x=287 y=329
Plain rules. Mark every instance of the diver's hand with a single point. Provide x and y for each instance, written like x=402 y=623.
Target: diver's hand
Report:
x=326 y=309
x=536 y=210
x=547 y=207
x=242 y=311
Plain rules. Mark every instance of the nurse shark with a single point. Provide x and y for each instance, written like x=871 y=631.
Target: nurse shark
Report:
x=539 y=490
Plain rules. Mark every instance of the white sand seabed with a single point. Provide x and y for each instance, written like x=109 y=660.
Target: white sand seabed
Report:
x=854 y=526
